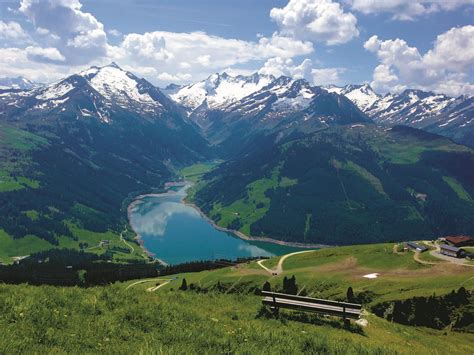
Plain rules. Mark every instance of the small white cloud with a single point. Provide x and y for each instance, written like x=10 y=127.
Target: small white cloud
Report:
x=327 y=76
x=316 y=20
x=50 y=54
x=279 y=66
x=406 y=9
x=12 y=31
x=114 y=32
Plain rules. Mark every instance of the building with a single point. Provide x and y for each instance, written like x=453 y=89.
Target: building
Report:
x=416 y=247
x=459 y=241
x=449 y=250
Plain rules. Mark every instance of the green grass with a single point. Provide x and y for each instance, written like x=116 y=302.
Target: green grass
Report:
x=32 y=214
x=457 y=188
x=123 y=320
x=255 y=205
x=196 y=171
x=19 y=140
x=404 y=149
x=365 y=174
x=27 y=245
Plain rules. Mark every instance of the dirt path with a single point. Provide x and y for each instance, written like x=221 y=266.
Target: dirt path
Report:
x=452 y=260
x=147 y=280
x=416 y=257
x=132 y=249
x=153 y=289
x=279 y=268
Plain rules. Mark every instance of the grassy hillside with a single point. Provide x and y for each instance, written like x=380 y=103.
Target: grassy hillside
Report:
x=54 y=195
x=223 y=315
x=345 y=185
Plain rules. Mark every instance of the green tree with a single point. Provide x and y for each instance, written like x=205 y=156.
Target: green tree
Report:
x=184 y=285
x=350 y=295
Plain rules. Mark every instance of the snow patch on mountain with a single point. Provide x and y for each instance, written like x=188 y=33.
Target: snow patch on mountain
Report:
x=218 y=90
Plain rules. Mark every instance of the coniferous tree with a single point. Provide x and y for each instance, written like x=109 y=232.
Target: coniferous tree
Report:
x=350 y=294
x=184 y=285
x=267 y=287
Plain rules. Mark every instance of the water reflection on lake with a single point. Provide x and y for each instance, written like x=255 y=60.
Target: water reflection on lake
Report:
x=177 y=233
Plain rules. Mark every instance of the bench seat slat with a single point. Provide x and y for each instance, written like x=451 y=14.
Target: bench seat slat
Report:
x=284 y=302
x=315 y=310
x=311 y=300
x=310 y=305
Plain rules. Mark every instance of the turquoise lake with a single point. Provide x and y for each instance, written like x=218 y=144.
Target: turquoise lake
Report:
x=177 y=233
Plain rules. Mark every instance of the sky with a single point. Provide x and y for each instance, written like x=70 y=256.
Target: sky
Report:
x=391 y=44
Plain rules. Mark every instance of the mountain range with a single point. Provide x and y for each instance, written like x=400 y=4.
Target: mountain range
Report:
x=298 y=158
x=437 y=113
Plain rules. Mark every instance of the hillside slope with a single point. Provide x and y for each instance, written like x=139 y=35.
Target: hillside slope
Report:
x=345 y=185
x=221 y=313
x=74 y=151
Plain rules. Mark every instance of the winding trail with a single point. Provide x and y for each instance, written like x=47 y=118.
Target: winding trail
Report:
x=132 y=249
x=279 y=268
x=149 y=280
x=153 y=289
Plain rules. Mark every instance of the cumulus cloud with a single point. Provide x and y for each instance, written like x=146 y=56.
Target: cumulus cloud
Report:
x=327 y=76
x=446 y=68
x=316 y=20
x=278 y=66
x=12 y=31
x=322 y=76
x=39 y=54
x=406 y=9
x=15 y=62
x=78 y=35
x=182 y=56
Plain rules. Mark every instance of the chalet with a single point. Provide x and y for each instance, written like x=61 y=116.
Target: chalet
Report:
x=416 y=247
x=104 y=243
x=449 y=250
x=459 y=241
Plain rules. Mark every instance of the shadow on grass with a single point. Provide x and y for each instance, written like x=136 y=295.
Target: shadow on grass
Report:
x=309 y=318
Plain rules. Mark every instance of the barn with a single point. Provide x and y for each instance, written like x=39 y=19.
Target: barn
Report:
x=459 y=241
x=449 y=250
x=416 y=247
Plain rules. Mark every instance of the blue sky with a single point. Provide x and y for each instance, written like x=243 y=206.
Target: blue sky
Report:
x=425 y=44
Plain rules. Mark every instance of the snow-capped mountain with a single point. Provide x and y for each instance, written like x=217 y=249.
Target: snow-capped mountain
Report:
x=217 y=91
x=361 y=95
x=438 y=113
x=279 y=97
x=285 y=105
x=100 y=93
x=18 y=83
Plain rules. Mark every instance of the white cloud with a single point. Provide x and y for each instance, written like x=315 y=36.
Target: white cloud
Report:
x=78 y=35
x=446 y=68
x=327 y=76
x=321 y=76
x=186 y=56
x=406 y=9
x=279 y=66
x=316 y=20
x=44 y=54
x=15 y=62
x=12 y=31
x=114 y=32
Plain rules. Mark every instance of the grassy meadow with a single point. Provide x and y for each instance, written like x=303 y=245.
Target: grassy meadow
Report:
x=219 y=313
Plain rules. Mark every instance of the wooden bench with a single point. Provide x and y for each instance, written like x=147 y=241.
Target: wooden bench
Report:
x=344 y=310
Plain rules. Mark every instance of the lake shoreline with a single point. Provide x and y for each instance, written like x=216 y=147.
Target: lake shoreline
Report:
x=235 y=233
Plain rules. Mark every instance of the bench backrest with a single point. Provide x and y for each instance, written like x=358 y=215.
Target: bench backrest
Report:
x=346 y=305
